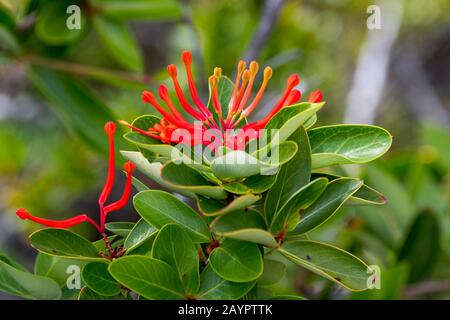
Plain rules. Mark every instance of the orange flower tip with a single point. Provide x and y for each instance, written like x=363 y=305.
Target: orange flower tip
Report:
x=241 y=66
x=254 y=67
x=129 y=167
x=315 y=96
x=186 y=56
x=123 y=122
x=148 y=97
x=267 y=73
x=163 y=92
x=110 y=128
x=217 y=72
x=293 y=80
x=246 y=76
x=172 y=70
x=22 y=213
x=213 y=81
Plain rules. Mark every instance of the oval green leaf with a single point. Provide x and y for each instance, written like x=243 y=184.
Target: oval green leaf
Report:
x=96 y=276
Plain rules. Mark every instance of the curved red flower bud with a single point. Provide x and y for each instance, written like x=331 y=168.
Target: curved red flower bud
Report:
x=315 y=96
x=61 y=224
x=119 y=204
x=110 y=129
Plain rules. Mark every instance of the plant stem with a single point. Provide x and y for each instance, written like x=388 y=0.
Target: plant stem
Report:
x=108 y=246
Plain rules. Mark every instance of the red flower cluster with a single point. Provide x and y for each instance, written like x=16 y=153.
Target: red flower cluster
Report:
x=238 y=107
x=110 y=129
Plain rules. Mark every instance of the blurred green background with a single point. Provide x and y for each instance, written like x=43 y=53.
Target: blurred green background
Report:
x=58 y=87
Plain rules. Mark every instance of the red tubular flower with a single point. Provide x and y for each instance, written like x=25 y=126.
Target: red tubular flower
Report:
x=239 y=106
x=110 y=129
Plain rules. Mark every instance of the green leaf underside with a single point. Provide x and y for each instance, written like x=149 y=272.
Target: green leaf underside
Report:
x=239 y=164
x=142 y=231
x=330 y=262
x=343 y=144
x=55 y=267
x=237 y=261
x=292 y=176
x=213 y=287
x=245 y=225
x=23 y=284
x=96 y=276
x=174 y=246
x=365 y=195
x=304 y=197
x=64 y=243
x=160 y=208
x=181 y=176
x=151 y=278
x=335 y=195
x=120 y=228
x=212 y=207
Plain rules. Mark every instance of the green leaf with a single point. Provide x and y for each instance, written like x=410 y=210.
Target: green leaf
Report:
x=334 y=196
x=289 y=119
x=330 y=262
x=160 y=208
x=342 y=144
x=8 y=260
x=303 y=198
x=143 y=122
x=180 y=176
x=174 y=246
x=213 y=287
x=141 y=9
x=286 y=297
x=151 y=278
x=273 y=272
x=212 y=207
x=292 y=176
x=245 y=225
x=239 y=164
x=151 y=170
x=83 y=113
x=96 y=276
x=23 y=284
x=253 y=184
x=119 y=42
x=88 y=294
x=364 y=196
x=52 y=24
x=64 y=243
x=56 y=268
x=120 y=228
x=8 y=41
x=225 y=90
x=237 y=261
x=139 y=234
x=421 y=246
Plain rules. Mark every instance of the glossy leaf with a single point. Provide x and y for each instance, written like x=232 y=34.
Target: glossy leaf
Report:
x=213 y=287
x=292 y=176
x=237 y=261
x=330 y=262
x=119 y=42
x=273 y=272
x=160 y=208
x=97 y=278
x=342 y=144
x=253 y=184
x=180 y=176
x=239 y=164
x=23 y=284
x=245 y=225
x=289 y=119
x=302 y=199
x=335 y=195
x=64 y=243
x=151 y=278
x=212 y=207
x=141 y=232
x=120 y=228
x=174 y=246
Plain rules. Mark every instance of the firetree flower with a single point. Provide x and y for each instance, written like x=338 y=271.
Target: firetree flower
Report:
x=110 y=129
x=239 y=108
